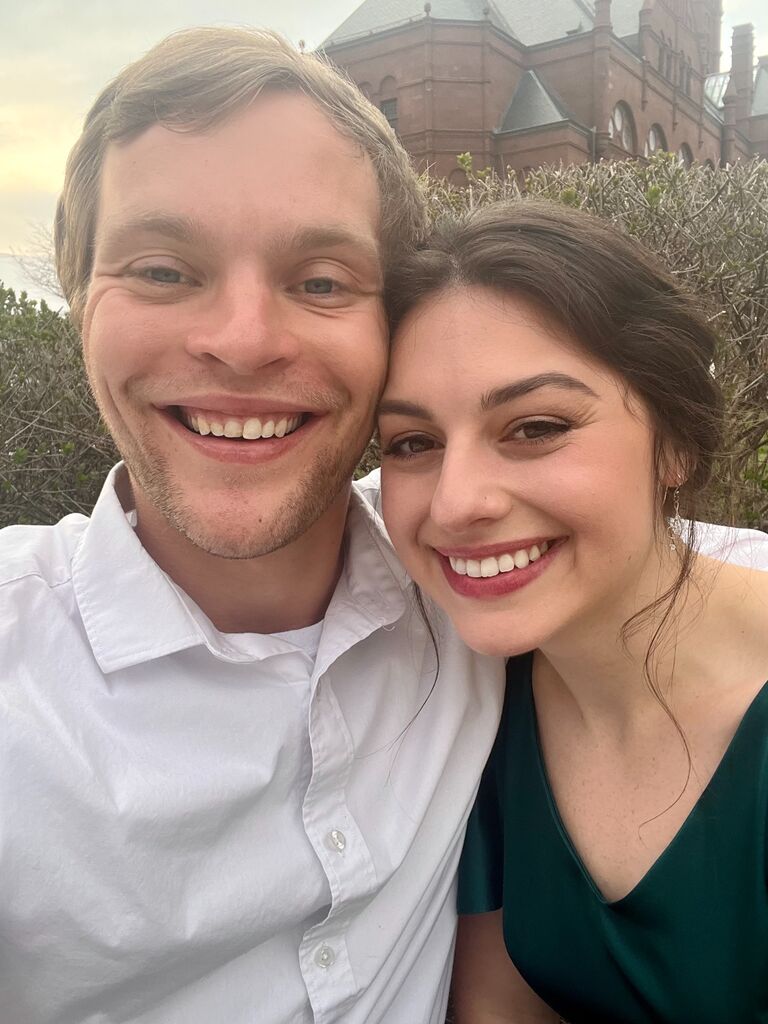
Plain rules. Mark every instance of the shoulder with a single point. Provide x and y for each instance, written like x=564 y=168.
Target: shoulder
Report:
x=369 y=488
x=39 y=553
x=728 y=544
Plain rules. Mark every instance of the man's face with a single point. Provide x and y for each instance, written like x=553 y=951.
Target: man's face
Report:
x=233 y=331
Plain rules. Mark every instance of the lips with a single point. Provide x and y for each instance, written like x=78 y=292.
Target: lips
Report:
x=230 y=446
x=499 y=578
x=250 y=428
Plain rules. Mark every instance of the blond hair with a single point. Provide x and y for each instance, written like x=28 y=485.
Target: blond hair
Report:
x=195 y=79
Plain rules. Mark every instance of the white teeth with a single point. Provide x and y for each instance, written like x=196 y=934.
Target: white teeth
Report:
x=488 y=567
x=521 y=559
x=250 y=429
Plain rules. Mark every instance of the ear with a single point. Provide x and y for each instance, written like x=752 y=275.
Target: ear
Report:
x=676 y=468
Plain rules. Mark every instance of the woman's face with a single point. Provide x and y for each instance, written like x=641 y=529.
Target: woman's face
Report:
x=518 y=482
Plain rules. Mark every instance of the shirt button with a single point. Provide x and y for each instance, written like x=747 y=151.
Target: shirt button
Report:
x=338 y=840
x=325 y=957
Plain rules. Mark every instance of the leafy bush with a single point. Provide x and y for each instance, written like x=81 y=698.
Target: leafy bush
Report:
x=710 y=227
x=54 y=453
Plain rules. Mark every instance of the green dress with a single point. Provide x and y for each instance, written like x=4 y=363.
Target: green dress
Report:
x=689 y=944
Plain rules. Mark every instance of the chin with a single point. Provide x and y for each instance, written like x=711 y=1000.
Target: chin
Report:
x=237 y=533
x=495 y=642
x=501 y=633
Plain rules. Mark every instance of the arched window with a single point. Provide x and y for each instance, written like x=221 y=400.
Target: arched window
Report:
x=621 y=128
x=656 y=140
x=684 y=155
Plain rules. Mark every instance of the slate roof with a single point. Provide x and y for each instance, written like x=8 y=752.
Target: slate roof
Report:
x=530 y=21
x=532 y=106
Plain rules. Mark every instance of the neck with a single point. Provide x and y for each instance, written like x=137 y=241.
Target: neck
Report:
x=286 y=589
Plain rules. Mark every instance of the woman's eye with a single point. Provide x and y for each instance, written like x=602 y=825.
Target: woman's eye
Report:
x=539 y=430
x=408 y=447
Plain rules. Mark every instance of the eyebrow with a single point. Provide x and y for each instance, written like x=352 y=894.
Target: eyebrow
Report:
x=499 y=396
x=181 y=229
x=493 y=399
x=330 y=236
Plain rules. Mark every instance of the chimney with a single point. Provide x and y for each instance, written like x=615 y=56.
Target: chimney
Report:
x=742 y=62
x=603 y=14
x=646 y=26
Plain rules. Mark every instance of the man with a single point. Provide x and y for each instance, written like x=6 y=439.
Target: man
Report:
x=234 y=783
x=235 y=774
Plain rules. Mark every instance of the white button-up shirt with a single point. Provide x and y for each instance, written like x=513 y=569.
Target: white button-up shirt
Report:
x=198 y=828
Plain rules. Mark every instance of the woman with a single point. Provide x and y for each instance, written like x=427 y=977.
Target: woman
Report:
x=549 y=409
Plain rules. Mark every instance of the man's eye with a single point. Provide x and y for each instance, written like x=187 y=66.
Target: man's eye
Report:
x=319 y=286
x=163 y=275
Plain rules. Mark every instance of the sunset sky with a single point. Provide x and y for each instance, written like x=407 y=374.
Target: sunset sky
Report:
x=55 y=55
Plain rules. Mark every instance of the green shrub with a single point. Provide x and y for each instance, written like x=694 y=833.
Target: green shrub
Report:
x=54 y=453
x=710 y=227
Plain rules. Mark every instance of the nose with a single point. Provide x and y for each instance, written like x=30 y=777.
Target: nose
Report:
x=245 y=324
x=469 y=490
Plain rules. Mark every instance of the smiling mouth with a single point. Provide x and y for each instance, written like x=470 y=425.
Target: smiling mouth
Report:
x=242 y=428
x=485 y=568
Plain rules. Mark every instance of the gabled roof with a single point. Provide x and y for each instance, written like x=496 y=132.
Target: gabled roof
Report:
x=529 y=21
x=532 y=106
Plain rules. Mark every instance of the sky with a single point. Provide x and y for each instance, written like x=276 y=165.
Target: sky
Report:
x=55 y=56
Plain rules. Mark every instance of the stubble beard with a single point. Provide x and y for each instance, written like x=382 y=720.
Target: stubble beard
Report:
x=232 y=536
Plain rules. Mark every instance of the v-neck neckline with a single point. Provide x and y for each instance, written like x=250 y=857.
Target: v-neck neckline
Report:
x=704 y=796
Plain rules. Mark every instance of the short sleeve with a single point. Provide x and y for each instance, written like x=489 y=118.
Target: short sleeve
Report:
x=482 y=861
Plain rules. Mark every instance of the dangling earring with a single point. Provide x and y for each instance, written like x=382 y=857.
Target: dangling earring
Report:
x=675 y=524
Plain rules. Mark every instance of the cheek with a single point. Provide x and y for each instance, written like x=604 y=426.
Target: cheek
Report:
x=124 y=344
x=405 y=505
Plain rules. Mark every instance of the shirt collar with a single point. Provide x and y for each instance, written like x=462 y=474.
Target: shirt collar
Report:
x=133 y=613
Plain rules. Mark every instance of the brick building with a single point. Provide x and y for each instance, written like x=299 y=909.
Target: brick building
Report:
x=525 y=82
